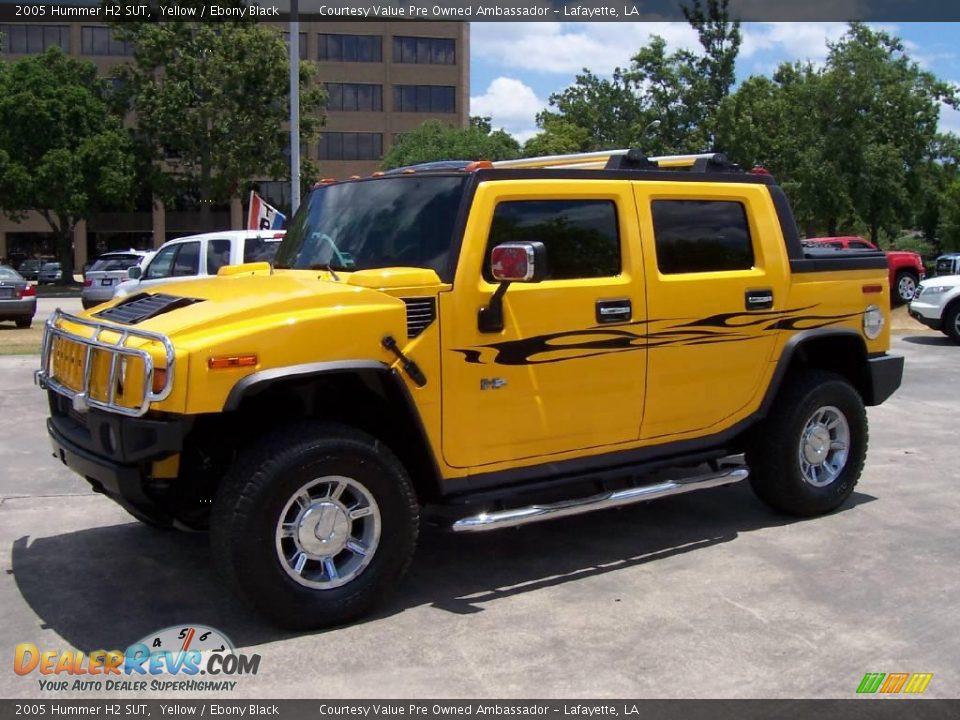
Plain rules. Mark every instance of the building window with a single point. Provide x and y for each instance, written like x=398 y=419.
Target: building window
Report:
x=581 y=237
x=424 y=98
x=350 y=48
x=100 y=41
x=354 y=97
x=22 y=39
x=701 y=236
x=424 y=50
x=303 y=43
x=351 y=146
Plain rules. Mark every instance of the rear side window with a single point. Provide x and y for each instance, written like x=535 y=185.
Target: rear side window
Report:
x=218 y=255
x=581 y=237
x=701 y=236
x=259 y=250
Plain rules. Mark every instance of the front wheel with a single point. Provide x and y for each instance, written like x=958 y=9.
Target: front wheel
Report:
x=315 y=525
x=905 y=287
x=806 y=458
x=951 y=322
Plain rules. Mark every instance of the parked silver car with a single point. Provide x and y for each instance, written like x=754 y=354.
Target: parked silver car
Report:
x=18 y=298
x=108 y=271
x=50 y=272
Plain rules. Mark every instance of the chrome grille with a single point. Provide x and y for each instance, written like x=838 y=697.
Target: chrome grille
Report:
x=88 y=371
x=420 y=313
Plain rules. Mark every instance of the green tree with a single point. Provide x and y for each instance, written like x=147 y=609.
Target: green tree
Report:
x=854 y=143
x=211 y=101
x=434 y=140
x=679 y=90
x=558 y=137
x=63 y=152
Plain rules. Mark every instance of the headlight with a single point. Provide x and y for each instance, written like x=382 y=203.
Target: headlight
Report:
x=934 y=290
x=872 y=322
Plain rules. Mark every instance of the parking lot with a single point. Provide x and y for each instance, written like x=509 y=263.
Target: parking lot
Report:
x=703 y=595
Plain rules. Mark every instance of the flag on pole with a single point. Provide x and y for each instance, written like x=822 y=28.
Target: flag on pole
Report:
x=263 y=216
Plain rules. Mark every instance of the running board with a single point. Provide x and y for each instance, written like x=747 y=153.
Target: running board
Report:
x=537 y=513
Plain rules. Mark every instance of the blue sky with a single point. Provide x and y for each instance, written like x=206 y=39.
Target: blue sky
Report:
x=515 y=66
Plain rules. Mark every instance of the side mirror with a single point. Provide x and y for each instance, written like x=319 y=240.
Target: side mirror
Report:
x=135 y=272
x=519 y=262
x=511 y=262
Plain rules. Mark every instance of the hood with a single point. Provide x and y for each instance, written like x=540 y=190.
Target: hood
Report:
x=209 y=304
x=942 y=281
x=904 y=255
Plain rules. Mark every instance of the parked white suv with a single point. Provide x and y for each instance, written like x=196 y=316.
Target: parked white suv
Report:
x=201 y=256
x=107 y=272
x=937 y=305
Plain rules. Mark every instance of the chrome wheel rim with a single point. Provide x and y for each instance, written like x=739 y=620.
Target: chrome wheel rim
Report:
x=956 y=324
x=907 y=287
x=328 y=532
x=824 y=446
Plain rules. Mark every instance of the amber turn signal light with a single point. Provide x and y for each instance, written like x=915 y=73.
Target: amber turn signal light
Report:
x=222 y=362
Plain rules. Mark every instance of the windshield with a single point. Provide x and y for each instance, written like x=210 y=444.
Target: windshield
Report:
x=115 y=262
x=404 y=221
x=8 y=273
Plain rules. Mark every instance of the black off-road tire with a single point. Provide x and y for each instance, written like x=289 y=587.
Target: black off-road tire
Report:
x=951 y=322
x=24 y=323
x=773 y=452
x=251 y=500
x=898 y=298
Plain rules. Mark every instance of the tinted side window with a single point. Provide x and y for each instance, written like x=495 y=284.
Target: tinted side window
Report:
x=218 y=255
x=188 y=260
x=581 y=237
x=701 y=236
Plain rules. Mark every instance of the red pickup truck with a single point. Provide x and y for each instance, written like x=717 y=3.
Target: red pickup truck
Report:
x=906 y=268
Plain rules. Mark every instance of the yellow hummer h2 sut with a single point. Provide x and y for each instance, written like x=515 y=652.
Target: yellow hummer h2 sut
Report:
x=495 y=344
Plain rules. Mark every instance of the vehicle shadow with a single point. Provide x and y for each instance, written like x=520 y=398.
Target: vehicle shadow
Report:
x=937 y=340
x=108 y=587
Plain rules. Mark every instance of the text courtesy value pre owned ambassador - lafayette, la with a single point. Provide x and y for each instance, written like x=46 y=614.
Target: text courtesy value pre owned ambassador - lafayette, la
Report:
x=486 y=345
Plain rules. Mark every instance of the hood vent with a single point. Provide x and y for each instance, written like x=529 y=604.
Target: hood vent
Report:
x=421 y=311
x=138 y=308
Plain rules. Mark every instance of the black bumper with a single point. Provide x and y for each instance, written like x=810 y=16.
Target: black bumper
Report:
x=115 y=453
x=885 y=375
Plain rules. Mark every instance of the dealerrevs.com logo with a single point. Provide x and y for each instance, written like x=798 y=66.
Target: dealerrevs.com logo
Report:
x=177 y=659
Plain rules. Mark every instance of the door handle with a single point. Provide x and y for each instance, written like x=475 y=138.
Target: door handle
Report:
x=614 y=311
x=758 y=299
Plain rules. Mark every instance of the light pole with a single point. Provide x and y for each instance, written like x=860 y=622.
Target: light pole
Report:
x=294 y=107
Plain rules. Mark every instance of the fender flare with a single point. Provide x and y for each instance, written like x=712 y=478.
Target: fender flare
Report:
x=790 y=349
x=258 y=382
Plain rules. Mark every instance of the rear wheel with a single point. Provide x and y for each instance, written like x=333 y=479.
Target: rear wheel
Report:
x=807 y=456
x=24 y=322
x=905 y=287
x=951 y=322
x=315 y=525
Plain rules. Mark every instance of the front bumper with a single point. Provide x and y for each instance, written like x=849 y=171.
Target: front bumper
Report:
x=926 y=313
x=114 y=454
x=885 y=374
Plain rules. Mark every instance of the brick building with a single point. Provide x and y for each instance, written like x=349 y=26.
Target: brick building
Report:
x=382 y=79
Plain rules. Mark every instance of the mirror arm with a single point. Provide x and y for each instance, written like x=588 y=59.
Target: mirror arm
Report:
x=490 y=318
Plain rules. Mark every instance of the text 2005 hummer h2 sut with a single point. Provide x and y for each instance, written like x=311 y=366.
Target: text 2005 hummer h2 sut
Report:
x=490 y=345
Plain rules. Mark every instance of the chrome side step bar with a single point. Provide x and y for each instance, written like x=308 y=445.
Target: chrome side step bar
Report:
x=537 y=513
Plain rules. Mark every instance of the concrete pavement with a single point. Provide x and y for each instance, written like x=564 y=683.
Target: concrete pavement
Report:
x=703 y=595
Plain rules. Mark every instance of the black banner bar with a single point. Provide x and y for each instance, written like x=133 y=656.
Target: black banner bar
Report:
x=479 y=11
x=130 y=709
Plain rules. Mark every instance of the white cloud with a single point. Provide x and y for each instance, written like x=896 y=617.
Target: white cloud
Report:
x=512 y=105
x=790 y=41
x=569 y=47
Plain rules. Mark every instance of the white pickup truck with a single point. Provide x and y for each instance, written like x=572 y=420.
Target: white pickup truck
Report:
x=201 y=256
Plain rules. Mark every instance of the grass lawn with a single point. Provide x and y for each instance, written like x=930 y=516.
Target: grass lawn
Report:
x=14 y=341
